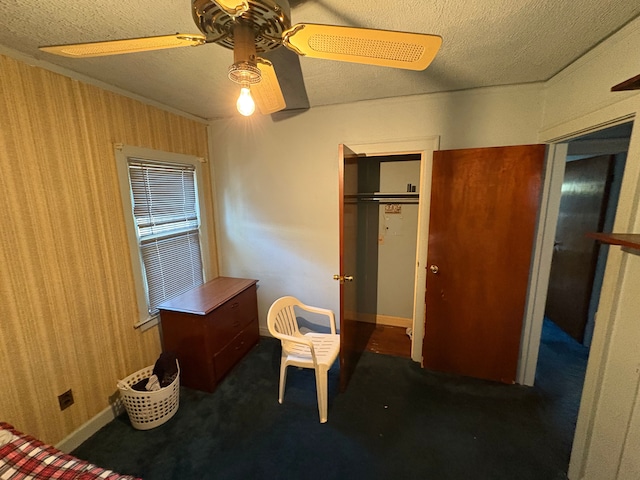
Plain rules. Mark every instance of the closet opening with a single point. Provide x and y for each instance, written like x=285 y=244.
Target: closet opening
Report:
x=389 y=193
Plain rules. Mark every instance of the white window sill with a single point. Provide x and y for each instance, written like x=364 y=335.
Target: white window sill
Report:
x=148 y=323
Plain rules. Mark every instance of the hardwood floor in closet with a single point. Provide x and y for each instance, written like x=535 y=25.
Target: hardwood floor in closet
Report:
x=388 y=340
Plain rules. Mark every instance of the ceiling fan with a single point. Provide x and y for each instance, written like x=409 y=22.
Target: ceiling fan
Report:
x=250 y=27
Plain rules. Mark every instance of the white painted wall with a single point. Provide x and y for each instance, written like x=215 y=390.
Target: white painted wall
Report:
x=394 y=176
x=607 y=439
x=584 y=87
x=277 y=182
x=398 y=234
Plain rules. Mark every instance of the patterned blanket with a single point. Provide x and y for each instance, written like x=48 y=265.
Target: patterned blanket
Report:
x=23 y=457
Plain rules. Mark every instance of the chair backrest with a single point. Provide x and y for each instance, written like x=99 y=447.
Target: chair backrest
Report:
x=281 y=319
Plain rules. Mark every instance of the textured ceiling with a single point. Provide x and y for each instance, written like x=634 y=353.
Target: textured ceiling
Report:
x=486 y=42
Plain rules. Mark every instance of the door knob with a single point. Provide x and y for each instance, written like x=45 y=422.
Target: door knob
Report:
x=434 y=269
x=343 y=278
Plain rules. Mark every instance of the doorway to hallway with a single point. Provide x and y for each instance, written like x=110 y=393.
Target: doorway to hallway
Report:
x=562 y=357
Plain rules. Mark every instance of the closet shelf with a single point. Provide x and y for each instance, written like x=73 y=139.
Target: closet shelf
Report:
x=631 y=240
x=384 y=195
x=410 y=198
x=389 y=195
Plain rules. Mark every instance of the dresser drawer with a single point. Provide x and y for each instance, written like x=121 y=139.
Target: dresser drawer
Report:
x=226 y=358
x=231 y=318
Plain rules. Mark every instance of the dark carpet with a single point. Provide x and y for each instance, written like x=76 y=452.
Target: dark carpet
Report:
x=395 y=421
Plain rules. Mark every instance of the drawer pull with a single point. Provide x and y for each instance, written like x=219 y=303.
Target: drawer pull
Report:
x=238 y=347
x=235 y=305
x=236 y=323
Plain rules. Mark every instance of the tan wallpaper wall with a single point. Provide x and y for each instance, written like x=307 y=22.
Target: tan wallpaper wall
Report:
x=67 y=299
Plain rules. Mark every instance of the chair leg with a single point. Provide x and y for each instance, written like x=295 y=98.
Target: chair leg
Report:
x=321 y=387
x=283 y=379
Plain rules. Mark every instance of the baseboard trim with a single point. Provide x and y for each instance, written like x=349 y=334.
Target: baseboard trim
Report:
x=387 y=320
x=78 y=436
x=264 y=332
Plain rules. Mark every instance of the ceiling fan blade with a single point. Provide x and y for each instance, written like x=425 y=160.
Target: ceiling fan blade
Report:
x=267 y=93
x=233 y=7
x=412 y=51
x=130 y=45
x=287 y=65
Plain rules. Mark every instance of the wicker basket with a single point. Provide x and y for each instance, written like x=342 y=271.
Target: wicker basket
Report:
x=147 y=410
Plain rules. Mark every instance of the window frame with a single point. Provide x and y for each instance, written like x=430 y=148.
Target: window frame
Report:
x=122 y=155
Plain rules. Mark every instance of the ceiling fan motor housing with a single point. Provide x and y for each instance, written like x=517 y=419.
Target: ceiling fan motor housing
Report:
x=244 y=69
x=266 y=18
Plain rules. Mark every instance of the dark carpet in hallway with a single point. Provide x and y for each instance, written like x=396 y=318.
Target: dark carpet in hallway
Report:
x=394 y=421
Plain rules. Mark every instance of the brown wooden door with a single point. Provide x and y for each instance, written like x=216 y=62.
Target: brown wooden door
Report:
x=484 y=208
x=585 y=190
x=353 y=339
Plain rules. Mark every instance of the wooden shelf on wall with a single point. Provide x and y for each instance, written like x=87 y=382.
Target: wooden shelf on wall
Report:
x=631 y=240
x=630 y=84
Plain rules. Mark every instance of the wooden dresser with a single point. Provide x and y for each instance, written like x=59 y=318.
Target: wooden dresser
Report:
x=210 y=328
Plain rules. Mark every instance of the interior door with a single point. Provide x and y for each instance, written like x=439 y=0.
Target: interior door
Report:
x=352 y=338
x=483 y=215
x=585 y=190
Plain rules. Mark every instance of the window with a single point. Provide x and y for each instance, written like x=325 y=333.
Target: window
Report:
x=163 y=215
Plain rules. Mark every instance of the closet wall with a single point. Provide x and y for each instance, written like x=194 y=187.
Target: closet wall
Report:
x=397 y=241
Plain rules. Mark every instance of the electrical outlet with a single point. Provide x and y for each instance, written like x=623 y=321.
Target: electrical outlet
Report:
x=66 y=399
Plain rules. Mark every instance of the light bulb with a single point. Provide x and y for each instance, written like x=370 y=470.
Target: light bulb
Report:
x=246 y=105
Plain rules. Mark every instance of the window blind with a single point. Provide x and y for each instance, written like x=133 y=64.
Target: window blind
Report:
x=166 y=215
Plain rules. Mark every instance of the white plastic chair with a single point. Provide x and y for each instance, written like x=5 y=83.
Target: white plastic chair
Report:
x=309 y=350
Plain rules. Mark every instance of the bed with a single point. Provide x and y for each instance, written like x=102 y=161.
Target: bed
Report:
x=23 y=457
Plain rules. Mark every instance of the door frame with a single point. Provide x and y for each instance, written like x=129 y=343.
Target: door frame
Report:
x=541 y=263
x=598 y=390
x=424 y=146
x=557 y=150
